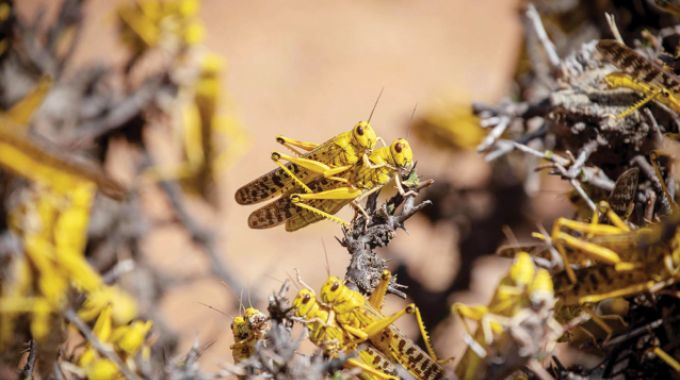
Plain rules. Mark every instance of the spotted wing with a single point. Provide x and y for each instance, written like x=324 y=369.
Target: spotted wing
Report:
x=283 y=210
x=278 y=182
x=624 y=191
x=406 y=352
x=637 y=66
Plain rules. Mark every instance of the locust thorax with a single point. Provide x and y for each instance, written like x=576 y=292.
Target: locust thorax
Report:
x=364 y=136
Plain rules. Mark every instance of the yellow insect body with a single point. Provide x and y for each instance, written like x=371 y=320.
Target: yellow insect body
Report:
x=507 y=301
x=621 y=80
x=247 y=331
x=325 y=333
x=365 y=321
x=328 y=196
x=321 y=160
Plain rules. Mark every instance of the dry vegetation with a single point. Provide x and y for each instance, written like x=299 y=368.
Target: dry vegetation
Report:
x=79 y=296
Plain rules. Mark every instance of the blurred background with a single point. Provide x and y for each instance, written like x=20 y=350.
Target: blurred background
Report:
x=310 y=70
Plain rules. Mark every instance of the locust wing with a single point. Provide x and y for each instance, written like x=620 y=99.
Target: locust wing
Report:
x=284 y=210
x=278 y=182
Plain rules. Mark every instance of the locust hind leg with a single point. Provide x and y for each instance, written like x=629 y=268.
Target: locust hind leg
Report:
x=667 y=358
x=342 y=193
x=354 y=363
x=378 y=296
x=560 y=239
x=308 y=164
x=639 y=104
x=292 y=144
x=379 y=325
x=428 y=341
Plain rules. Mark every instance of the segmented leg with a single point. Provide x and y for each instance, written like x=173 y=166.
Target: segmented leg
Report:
x=353 y=363
x=290 y=144
x=598 y=252
x=378 y=296
x=312 y=165
x=639 y=104
x=378 y=326
x=342 y=193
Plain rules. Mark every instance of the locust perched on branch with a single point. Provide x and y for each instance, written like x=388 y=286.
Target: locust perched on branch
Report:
x=329 y=195
x=365 y=321
x=327 y=334
x=321 y=160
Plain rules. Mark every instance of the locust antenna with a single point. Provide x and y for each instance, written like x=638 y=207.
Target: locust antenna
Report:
x=273 y=278
x=411 y=122
x=244 y=306
x=512 y=239
x=249 y=303
x=292 y=280
x=328 y=265
x=375 y=105
x=217 y=310
x=236 y=295
x=299 y=278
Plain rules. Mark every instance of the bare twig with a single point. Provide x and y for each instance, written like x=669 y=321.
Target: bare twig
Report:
x=27 y=372
x=548 y=46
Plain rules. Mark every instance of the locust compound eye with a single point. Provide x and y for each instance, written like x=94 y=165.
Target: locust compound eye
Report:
x=360 y=130
x=666 y=93
x=335 y=286
x=232 y=325
x=306 y=299
x=398 y=147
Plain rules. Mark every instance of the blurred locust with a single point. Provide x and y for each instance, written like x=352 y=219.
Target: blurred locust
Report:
x=126 y=341
x=364 y=320
x=200 y=124
x=327 y=334
x=51 y=220
x=247 y=330
x=328 y=195
x=641 y=75
x=517 y=321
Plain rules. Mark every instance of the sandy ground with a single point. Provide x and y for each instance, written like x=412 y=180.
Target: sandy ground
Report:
x=310 y=70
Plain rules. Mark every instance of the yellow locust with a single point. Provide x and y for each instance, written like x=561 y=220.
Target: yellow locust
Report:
x=327 y=334
x=247 y=330
x=365 y=321
x=640 y=75
x=320 y=161
x=329 y=195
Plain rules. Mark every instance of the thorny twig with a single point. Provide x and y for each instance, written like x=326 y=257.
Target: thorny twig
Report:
x=27 y=371
x=365 y=268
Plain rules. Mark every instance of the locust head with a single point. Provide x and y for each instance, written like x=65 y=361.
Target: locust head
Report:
x=364 y=136
x=239 y=328
x=304 y=302
x=256 y=320
x=331 y=289
x=401 y=154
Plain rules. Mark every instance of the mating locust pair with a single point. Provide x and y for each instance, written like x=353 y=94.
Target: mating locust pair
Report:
x=318 y=183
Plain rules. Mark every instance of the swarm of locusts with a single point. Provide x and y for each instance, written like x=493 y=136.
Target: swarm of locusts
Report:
x=602 y=282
